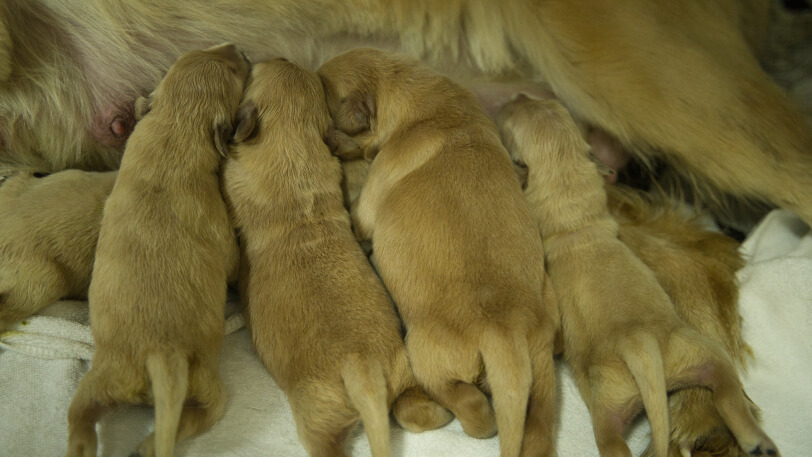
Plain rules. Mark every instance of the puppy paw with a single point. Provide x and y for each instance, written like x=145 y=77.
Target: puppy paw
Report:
x=416 y=412
x=478 y=421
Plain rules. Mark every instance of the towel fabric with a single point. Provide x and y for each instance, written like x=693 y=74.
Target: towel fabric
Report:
x=43 y=358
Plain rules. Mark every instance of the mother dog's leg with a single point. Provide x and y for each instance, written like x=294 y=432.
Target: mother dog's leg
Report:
x=677 y=79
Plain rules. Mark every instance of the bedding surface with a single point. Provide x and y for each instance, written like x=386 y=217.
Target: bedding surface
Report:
x=43 y=358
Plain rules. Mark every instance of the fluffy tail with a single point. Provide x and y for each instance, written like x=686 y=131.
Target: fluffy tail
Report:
x=169 y=374
x=366 y=386
x=507 y=364
x=645 y=362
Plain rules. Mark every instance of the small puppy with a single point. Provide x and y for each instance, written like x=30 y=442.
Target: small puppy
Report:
x=320 y=319
x=455 y=244
x=48 y=232
x=697 y=269
x=165 y=249
x=622 y=337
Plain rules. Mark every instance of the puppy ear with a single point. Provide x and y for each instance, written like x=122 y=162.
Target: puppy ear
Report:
x=521 y=173
x=222 y=134
x=142 y=106
x=246 y=122
x=355 y=113
x=342 y=145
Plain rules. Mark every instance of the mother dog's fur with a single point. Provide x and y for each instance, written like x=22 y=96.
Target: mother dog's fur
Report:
x=675 y=80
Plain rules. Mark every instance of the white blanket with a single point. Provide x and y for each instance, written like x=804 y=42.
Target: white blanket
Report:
x=42 y=360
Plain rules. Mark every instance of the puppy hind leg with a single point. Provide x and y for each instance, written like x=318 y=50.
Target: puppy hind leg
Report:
x=447 y=371
x=207 y=390
x=644 y=360
x=322 y=418
x=469 y=405
x=366 y=387
x=608 y=428
x=416 y=412
x=695 y=360
x=508 y=368
x=540 y=421
x=413 y=408
x=85 y=410
x=169 y=374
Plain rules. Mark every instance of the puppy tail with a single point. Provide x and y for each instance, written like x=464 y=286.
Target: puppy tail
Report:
x=509 y=372
x=645 y=362
x=169 y=375
x=366 y=386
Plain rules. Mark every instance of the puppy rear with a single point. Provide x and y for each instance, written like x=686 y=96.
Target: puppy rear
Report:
x=320 y=319
x=165 y=250
x=613 y=308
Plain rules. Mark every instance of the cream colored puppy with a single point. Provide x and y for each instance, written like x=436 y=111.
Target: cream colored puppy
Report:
x=165 y=249
x=455 y=244
x=319 y=316
x=622 y=337
x=48 y=232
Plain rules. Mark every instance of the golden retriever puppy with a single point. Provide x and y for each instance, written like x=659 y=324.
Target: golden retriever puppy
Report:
x=319 y=316
x=165 y=250
x=677 y=81
x=455 y=244
x=697 y=269
x=48 y=235
x=622 y=337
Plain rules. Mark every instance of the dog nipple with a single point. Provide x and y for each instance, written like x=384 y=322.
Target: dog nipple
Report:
x=120 y=127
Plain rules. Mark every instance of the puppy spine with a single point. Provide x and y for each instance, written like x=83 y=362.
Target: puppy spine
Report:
x=365 y=383
x=169 y=374
x=507 y=364
x=644 y=360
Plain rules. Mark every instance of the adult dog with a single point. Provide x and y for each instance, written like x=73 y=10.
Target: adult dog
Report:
x=673 y=80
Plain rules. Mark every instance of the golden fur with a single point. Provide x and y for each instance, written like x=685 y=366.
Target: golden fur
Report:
x=697 y=269
x=320 y=319
x=454 y=243
x=48 y=232
x=622 y=337
x=672 y=80
x=165 y=250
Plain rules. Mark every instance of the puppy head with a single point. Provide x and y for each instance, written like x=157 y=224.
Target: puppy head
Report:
x=283 y=98
x=540 y=134
x=203 y=86
x=350 y=84
x=14 y=184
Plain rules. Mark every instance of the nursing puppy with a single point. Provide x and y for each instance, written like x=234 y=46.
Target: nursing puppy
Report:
x=697 y=269
x=622 y=337
x=454 y=242
x=319 y=316
x=48 y=232
x=165 y=249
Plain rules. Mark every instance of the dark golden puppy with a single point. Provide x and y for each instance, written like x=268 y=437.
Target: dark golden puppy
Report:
x=697 y=269
x=319 y=316
x=48 y=232
x=165 y=250
x=455 y=244
x=622 y=337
